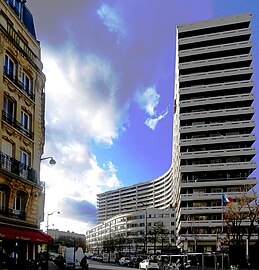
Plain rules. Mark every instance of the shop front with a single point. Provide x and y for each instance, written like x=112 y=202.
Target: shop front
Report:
x=21 y=247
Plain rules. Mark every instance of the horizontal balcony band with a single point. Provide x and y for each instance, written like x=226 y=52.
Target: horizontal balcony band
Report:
x=201 y=210
x=213 y=36
x=218 y=182
x=217 y=100
x=218 y=126
x=211 y=196
x=216 y=74
x=207 y=223
x=216 y=87
x=247 y=58
x=219 y=167
x=219 y=153
x=218 y=22
x=215 y=48
x=216 y=113
x=218 y=139
x=198 y=237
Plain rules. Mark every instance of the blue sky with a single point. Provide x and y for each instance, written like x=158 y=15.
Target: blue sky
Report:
x=109 y=93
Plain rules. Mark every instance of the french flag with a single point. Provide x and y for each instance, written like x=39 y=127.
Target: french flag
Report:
x=226 y=199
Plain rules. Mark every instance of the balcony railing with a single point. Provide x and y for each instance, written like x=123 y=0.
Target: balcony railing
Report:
x=16 y=167
x=25 y=89
x=12 y=213
x=13 y=122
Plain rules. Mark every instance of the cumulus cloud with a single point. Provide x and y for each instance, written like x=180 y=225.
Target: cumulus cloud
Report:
x=81 y=107
x=112 y=19
x=148 y=100
x=152 y=122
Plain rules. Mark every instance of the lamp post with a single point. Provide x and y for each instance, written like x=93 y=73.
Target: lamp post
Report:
x=145 y=226
x=49 y=214
x=52 y=161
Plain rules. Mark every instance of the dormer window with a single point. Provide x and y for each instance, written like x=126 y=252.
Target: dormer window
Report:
x=15 y=5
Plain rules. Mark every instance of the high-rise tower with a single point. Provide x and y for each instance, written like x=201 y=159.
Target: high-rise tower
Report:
x=213 y=123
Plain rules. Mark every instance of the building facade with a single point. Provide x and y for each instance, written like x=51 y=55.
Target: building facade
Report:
x=157 y=193
x=213 y=133
x=22 y=103
x=132 y=232
x=213 y=124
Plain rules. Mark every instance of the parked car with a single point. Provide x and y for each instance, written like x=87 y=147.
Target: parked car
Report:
x=148 y=264
x=97 y=258
x=124 y=261
x=134 y=262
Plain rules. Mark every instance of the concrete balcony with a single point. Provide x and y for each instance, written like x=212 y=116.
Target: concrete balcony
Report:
x=217 y=87
x=213 y=36
x=219 y=153
x=247 y=58
x=217 y=100
x=219 y=182
x=217 y=48
x=198 y=237
x=218 y=139
x=201 y=210
x=217 y=113
x=209 y=196
x=218 y=126
x=206 y=223
x=215 y=74
x=219 y=167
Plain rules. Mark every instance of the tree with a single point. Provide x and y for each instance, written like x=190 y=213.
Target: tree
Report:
x=241 y=218
x=158 y=234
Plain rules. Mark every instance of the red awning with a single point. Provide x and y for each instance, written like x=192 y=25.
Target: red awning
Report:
x=24 y=234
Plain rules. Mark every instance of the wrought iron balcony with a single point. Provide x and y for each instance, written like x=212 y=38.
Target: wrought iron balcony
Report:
x=12 y=213
x=24 y=88
x=13 y=122
x=16 y=167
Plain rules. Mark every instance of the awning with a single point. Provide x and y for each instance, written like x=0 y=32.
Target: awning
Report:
x=24 y=234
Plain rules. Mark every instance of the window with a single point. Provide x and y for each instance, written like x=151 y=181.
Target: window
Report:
x=17 y=204
x=16 y=5
x=2 y=199
x=26 y=83
x=7 y=148
x=9 y=108
x=25 y=161
x=25 y=120
x=10 y=68
x=24 y=157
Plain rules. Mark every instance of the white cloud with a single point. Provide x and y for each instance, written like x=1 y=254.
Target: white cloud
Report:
x=81 y=106
x=148 y=100
x=152 y=122
x=112 y=19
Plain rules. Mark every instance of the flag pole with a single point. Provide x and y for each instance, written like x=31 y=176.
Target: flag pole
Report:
x=222 y=226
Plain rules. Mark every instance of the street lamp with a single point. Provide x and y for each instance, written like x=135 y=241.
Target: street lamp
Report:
x=49 y=214
x=52 y=161
x=145 y=223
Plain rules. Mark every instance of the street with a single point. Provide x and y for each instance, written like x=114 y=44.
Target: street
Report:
x=95 y=265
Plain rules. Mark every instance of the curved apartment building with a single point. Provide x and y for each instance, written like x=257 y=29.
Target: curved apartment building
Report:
x=213 y=133
x=157 y=193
